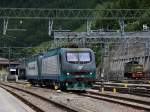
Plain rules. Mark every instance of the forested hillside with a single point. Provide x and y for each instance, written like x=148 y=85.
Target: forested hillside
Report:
x=49 y=3
x=37 y=30
x=131 y=25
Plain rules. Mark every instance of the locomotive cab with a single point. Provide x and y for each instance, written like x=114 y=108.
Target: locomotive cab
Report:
x=78 y=67
x=133 y=70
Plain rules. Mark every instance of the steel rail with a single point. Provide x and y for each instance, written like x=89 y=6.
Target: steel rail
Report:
x=138 y=104
x=57 y=104
x=129 y=90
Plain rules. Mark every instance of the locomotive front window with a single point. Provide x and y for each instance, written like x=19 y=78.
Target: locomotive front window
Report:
x=78 y=57
x=84 y=57
x=73 y=57
x=138 y=68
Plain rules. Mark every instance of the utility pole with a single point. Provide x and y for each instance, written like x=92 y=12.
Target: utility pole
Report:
x=88 y=26
x=147 y=46
x=5 y=26
x=122 y=26
x=9 y=53
x=50 y=27
x=102 y=62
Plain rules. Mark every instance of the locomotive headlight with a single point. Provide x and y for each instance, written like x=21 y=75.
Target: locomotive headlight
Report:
x=91 y=73
x=68 y=73
x=66 y=84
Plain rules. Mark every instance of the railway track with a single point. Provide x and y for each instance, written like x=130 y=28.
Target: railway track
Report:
x=138 y=90
x=142 y=81
x=63 y=107
x=141 y=105
x=34 y=107
x=147 y=86
x=138 y=104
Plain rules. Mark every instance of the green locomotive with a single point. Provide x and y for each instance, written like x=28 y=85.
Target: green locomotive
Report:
x=66 y=68
x=133 y=70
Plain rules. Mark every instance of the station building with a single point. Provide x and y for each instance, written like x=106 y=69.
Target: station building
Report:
x=4 y=66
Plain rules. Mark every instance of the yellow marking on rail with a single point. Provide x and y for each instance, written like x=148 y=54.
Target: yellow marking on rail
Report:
x=102 y=90
x=27 y=85
x=114 y=90
x=125 y=85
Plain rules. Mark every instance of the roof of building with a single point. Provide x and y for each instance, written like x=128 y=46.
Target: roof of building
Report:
x=4 y=61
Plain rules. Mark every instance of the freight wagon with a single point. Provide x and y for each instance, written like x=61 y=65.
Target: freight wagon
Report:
x=66 y=68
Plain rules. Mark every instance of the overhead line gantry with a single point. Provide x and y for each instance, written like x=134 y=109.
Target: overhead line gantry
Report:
x=41 y=13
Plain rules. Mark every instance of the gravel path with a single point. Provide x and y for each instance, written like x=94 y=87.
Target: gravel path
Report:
x=93 y=105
